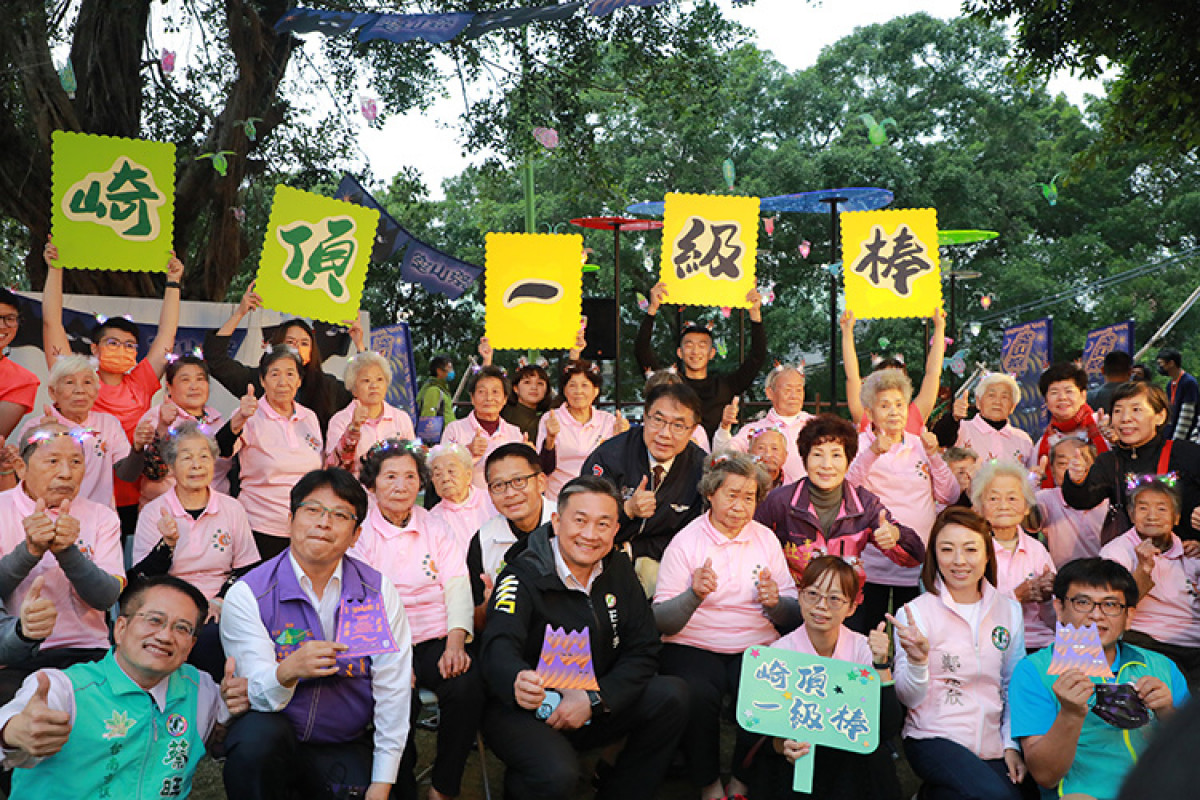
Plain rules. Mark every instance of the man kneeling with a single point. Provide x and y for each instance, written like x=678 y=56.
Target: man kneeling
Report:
x=132 y=724
x=569 y=577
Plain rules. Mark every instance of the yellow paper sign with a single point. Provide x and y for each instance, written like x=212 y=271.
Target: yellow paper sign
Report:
x=709 y=247
x=890 y=263
x=533 y=289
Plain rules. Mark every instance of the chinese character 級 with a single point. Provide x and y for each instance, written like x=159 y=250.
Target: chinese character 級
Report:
x=711 y=246
x=805 y=715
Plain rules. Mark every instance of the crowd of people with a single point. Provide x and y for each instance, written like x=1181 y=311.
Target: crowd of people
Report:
x=276 y=586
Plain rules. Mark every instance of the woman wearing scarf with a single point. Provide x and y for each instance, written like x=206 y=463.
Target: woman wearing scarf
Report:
x=1064 y=388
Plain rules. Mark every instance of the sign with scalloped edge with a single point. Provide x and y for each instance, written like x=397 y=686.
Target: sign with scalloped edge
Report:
x=709 y=247
x=533 y=290
x=315 y=255
x=890 y=264
x=112 y=202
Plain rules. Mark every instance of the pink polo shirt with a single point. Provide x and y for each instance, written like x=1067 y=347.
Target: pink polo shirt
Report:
x=1070 y=533
x=275 y=452
x=730 y=619
x=793 y=468
x=78 y=624
x=1009 y=442
x=575 y=442
x=1028 y=560
x=850 y=646
x=910 y=483
x=209 y=548
x=392 y=423
x=462 y=520
x=100 y=452
x=463 y=432
x=418 y=558
x=211 y=424
x=1170 y=612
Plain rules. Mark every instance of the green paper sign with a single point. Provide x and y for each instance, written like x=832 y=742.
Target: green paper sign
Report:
x=314 y=258
x=822 y=701
x=112 y=202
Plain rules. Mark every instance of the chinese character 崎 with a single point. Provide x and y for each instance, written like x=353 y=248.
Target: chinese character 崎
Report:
x=774 y=673
x=124 y=198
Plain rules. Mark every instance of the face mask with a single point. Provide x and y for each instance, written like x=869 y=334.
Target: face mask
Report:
x=450 y=375
x=117 y=363
x=1163 y=371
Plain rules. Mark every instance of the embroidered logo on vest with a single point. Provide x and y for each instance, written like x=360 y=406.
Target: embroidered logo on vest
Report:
x=177 y=725
x=117 y=726
x=1000 y=637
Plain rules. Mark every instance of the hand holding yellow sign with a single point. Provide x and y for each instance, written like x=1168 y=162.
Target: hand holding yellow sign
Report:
x=890 y=263
x=709 y=247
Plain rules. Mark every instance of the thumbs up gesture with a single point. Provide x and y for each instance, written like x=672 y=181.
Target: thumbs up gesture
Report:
x=48 y=415
x=553 y=426
x=38 y=730
x=641 y=503
x=38 y=613
x=39 y=530
x=704 y=580
x=66 y=529
x=247 y=407
x=478 y=445
x=961 y=407
x=877 y=640
x=143 y=434
x=886 y=535
x=729 y=416
x=169 y=528
x=168 y=412
x=11 y=463
x=768 y=590
x=622 y=424
x=1104 y=423
x=235 y=691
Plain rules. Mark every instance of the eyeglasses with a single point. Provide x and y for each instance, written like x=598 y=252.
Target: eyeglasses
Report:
x=116 y=343
x=657 y=422
x=9 y=320
x=518 y=483
x=1084 y=605
x=314 y=510
x=156 y=622
x=835 y=602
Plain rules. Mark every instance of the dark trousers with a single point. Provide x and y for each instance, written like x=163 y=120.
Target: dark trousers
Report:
x=710 y=678
x=208 y=655
x=952 y=772
x=266 y=762
x=1186 y=658
x=270 y=546
x=879 y=599
x=543 y=764
x=13 y=675
x=460 y=708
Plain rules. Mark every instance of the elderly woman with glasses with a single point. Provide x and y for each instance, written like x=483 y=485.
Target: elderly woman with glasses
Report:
x=723 y=586
x=428 y=568
x=369 y=418
x=462 y=509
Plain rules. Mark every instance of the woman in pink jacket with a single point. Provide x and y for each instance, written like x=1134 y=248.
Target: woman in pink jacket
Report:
x=956 y=648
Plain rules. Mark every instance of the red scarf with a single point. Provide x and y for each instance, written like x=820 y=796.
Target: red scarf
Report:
x=1083 y=420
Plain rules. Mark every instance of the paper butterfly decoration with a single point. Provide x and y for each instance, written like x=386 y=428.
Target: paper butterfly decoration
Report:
x=726 y=311
x=546 y=137
x=248 y=127
x=805 y=248
x=986 y=301
x=642 y=302
x=769 y=225
x=167 y=59
x=728 y=172
x=1050 y=190
x=722 y=349
x=958 y=363
x=66 y=76
x=239 y=213
x=219 y=162
x=975 y=328
x=877 y=131
x=369 y=108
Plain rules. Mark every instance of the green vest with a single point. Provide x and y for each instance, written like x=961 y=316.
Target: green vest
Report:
x=121 y=745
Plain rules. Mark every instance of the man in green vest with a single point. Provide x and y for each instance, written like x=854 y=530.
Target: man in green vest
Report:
x=133 y=725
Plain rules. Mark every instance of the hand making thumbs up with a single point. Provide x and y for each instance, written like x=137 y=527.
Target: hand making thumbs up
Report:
x=887 y=535
x=38 y=613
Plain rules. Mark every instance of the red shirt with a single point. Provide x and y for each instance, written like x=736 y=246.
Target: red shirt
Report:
x=128 y=401
x=17 y=384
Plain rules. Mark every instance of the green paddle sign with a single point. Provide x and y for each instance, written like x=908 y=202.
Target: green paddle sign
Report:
x=822 y=701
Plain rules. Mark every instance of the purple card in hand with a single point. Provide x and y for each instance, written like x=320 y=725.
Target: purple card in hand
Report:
x=363 y=626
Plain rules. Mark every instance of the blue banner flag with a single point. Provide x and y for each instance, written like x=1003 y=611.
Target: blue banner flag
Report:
x=318 y=20
x=437 y=271
x=1101 y=342
x=389 y=236
x=394 y=343
x=515 y=17
x=602 y=8
x=432 y=28
x=1025 y=354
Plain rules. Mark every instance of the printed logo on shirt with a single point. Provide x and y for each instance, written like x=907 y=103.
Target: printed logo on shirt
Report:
x=88 y=551
x=679 y=508
x=505 y=598
x=313 y=442
x=177 y=725
x=1000 y=637
x=923 y=471
x=288 y=640
x=117 y=726
x=221 y=540
x=610 y=600
x=429 y=567
x=598 y=470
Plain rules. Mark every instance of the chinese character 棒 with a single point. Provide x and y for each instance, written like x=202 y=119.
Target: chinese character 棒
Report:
x=708 y=246
x=811 y=680
x=906 y=261
x=805 y=715
x=775 y=673
x=850 y=723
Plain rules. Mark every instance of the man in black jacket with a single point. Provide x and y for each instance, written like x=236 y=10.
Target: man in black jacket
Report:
x=569 y=577
x=696 y=350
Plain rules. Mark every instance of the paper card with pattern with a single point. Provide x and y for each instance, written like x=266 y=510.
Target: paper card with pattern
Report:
x=363 y=627
x=709 y=247
x=566 y=660
x=315 y=254
x=112 y=202
x=890 y=264
x=823 y=701
x=533 y=290
x=1078 y=649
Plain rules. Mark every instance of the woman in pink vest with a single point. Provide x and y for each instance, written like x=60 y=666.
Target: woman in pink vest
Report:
x=567 y=434
x=956 y=648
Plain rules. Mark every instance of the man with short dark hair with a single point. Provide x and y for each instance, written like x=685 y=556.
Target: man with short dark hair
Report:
x=314 y=700
x=1077 y=737
x=1116 y=370
x=1183 y=392
x=569 y=577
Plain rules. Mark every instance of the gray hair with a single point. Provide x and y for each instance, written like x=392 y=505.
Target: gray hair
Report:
x=1156 y=486
x=998 y=377
x=185 y=430
x=996 y=468
x=779 y=372
x=73 y=364
x=953 y=454
x=361 y=361
x=885 y=380
x=452 y=449
x=730 y=462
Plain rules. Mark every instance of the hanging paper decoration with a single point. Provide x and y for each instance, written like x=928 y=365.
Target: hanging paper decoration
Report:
x=769 y=225
x=834 y=269
x=239 y=214
x=546 y=137
x=167 y=60
x=248 y=127
x=726 y=311
x=314 y=255
x=369 y=108
x=884 y=343
x=890 y=263
x=1050 y=190
x=112 y=202
x=219 y=162
x=642 y=302
x=958 y=363
x=805 y=248
x=722 y=349
x=363 y=627
x=877 y=131
x=533 y=290
x=768 y=293
x=975 y=328
x=66 y=76
x=709 y=248
x=986 y=301
x=728 y=172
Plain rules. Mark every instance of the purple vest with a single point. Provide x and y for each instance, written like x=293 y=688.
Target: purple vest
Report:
x=327 y=710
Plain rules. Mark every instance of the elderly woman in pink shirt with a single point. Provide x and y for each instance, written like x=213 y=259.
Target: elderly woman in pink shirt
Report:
x=723 y=586
x=482 y=431
x=429 y=569
x=1002 y=494
x=369 y=418
x=568 y=434
x=277 y=441
x=462 y=509
x=195 y=533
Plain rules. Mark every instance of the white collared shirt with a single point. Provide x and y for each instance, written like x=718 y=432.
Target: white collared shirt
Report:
x=568 y=578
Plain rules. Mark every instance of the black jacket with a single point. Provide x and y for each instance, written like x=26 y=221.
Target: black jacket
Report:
x=624 y=461
x=529 y=595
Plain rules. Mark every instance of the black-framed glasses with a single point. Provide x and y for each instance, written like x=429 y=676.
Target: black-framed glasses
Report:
x=518 y=483
x=314 y=510
x=156 y=622
x=1084 y=605
x=657 y=421
x=9 y=320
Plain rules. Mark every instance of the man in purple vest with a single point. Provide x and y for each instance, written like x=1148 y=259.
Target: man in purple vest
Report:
x=325 y=644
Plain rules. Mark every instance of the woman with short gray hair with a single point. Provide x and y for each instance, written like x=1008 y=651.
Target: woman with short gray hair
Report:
x=369 y=418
